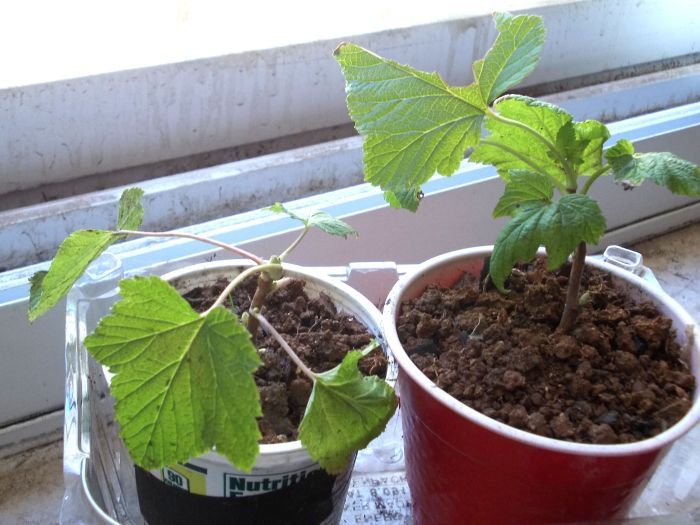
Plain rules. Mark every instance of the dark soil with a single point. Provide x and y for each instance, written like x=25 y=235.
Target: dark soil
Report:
x=618 y=377
x=318 y=333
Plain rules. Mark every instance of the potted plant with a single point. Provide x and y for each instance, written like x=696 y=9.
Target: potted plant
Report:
x=223 y=419
x=527 y=396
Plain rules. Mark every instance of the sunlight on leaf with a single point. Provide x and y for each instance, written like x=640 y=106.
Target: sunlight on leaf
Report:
x=413 y=122
x=74 y=255
x=512 y=57
x=183 y=382
x=508 y=147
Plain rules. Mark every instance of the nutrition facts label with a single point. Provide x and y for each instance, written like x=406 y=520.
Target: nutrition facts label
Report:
x=380 y=498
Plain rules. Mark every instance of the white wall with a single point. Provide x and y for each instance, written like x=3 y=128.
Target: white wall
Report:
x=64 y=129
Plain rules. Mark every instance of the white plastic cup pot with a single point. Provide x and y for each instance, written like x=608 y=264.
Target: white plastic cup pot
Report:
x=284 y=474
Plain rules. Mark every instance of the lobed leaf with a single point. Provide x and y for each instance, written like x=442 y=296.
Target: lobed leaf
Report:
x=512 y=57
x=522 y=188
x=345 y=412
x=559 y=226
x=665 y=169
x=509 y=147
x=74 y=255
x=183 y=382
x=414 y=124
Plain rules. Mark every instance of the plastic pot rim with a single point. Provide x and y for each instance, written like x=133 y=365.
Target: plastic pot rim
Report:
x=349 y=294
x=406 y=365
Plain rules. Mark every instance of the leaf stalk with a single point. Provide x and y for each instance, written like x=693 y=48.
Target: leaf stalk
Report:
x=602 y=171
x=278 y=337
x=572 y=305
x=238 y=280
x=294 y=244
x=183 y=235
x=562 y=189
x=570 y=173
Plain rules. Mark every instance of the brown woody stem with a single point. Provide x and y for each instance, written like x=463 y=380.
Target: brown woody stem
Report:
x=571 y=308
x=263 y=289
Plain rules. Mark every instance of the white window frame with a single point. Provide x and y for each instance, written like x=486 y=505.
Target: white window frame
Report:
x=67 y=128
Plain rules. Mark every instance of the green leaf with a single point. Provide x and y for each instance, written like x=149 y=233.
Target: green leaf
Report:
x=331 y=225
x=36 y=289
x=581 y=143
x=73 y=257
x=567 y=144
x=523 y=187
x=319 y=219
x=590 y=137
x=414 y=124
x=406 y=199
x=558 y=226
x=345 y=412
x=280 y=208
x=620 y=154
x=75 y=254
x=665 y=169
x=130 y=209
x=513 y=56
x=509 y=147
x=183 y=382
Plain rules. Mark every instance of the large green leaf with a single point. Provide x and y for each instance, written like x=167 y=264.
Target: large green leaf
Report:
x=665 y=169
x=345 y=412
x=413 y=122
x=318 y=219
x=183 y=382
x=74 y=255
x=558 y=226
x=523 y=187
x=513 y=56
x=510 y=147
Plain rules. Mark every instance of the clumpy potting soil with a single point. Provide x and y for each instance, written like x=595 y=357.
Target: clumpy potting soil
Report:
x=617 y=377
x=314 y=328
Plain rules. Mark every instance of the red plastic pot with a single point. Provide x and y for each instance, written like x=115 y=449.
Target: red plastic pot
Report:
x=464 y=467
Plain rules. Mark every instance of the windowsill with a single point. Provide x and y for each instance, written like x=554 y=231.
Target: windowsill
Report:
x=31 y=483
